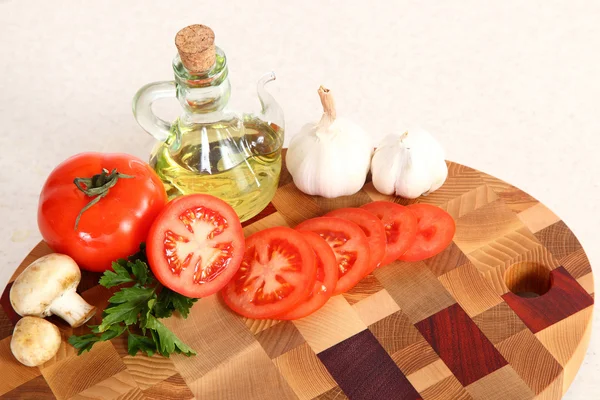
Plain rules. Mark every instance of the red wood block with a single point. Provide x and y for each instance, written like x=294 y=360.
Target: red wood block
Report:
x=467 y=352
x=564 y=298
x=364 y=370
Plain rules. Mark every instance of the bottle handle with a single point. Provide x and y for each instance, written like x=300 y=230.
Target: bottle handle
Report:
x=142 y=108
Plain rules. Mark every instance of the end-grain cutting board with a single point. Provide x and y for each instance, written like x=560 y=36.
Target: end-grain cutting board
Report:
x=451 y=327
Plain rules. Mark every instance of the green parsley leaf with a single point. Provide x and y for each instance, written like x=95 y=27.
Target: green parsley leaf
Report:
x=156 y=339
x=168 y=342
x=138 y=305
x=126 y=312
x=134 y=294
x=112 y=332
x=150 y=305
x=137 y=343
x=83 y=343
x=131 y=302
x=141 y=272
x=145 y=315
x=182 y=303
x=169 y=301
x=121 y=275
x=164 y=306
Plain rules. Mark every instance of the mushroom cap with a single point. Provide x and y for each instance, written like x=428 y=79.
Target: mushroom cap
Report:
x=34 y=341
x=41 y=282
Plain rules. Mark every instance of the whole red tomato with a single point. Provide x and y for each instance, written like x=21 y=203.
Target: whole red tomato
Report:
x=123 y=195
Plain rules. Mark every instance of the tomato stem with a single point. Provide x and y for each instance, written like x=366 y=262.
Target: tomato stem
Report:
x=97 y=187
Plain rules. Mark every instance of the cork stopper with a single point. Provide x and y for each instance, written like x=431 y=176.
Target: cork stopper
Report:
x=196 y=47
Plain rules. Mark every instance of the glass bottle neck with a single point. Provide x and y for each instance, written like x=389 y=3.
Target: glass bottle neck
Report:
x=204 y=93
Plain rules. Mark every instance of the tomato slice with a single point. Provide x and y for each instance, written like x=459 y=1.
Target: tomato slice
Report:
x=327 y=277
x=435 y=231
x=278 y=271
x=400 y=227
x=350 y=245
x=371 y=226
x=195 y=245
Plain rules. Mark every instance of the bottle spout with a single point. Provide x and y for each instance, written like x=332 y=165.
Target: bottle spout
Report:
x=271 y=112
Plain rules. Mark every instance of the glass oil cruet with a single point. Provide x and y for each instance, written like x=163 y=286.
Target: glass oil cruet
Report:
x=210 y=149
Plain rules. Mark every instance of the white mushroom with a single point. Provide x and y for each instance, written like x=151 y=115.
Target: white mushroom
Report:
x=47 y=287
x=34 y=341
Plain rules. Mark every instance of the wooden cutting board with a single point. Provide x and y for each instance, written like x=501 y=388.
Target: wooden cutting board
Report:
x=451 y=327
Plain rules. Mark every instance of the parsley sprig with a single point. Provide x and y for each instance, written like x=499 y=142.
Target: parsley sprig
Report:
x=136 y=309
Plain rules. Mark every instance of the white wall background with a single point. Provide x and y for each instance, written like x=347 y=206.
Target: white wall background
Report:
x=508 y=87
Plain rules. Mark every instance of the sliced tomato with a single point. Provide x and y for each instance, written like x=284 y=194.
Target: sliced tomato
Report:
x=327 y=277
x=371 y=226
x=350 y=245
x=400 y=227
x=195 y=245
x=278 y=272
x=435 y=231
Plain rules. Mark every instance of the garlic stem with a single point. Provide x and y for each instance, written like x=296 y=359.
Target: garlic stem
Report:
x=327 y=102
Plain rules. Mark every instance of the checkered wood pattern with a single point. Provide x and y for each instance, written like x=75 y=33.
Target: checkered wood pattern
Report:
x=445 y=328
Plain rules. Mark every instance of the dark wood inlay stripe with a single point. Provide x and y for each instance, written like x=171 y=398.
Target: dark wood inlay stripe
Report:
x=364 y=370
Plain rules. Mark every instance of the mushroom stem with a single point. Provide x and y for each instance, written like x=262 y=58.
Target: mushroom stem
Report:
x=71 y=307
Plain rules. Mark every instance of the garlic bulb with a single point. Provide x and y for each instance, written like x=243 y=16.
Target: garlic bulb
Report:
x=409 y=164
x=330 y=158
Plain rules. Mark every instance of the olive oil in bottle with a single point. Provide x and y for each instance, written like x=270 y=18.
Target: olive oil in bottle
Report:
x=209 y=149
x=245 y=173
